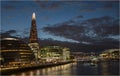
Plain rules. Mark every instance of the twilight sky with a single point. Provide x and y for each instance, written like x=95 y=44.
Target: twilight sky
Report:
x=87 y=22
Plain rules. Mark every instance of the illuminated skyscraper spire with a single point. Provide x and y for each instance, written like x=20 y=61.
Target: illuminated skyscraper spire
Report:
x=33 y=15
x=33 y=31
x=33 y=40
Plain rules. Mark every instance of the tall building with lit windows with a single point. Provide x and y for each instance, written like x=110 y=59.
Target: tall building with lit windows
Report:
x=33 y=39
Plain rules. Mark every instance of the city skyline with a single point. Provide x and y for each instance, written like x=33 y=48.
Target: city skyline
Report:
x=83 y=22
x=59 y=37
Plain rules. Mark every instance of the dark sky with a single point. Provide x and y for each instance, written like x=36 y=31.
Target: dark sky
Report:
x=84 y=22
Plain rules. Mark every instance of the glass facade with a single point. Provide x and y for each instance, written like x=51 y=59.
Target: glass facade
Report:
x=54 y=53
x=15 y=50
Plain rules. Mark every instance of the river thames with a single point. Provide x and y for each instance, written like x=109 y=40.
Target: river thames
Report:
x=76 y=68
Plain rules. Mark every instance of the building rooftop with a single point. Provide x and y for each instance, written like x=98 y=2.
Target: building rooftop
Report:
x=13 y=43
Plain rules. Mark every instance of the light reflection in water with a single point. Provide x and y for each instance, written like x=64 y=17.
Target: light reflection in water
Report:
x=77 y=68
x=23 y=74
x=12 y=75
x=31 y=73
x=104 y=68
x=38 y=72
x=57 y=70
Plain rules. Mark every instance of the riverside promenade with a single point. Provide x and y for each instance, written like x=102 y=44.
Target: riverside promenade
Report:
x=17 y=69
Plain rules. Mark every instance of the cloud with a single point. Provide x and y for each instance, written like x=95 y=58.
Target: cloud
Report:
x=83 y=5
x=103 y=26
x=73 y=20
x=79 y=16
x=95 y=30
x=54 y=5
x=9 y=7
x=15 y=33
x=88 y=10
x=11 y=31
x=8 y=33
x=46 y=18
x=70 y=32
x=107 y=6
x=48 y=5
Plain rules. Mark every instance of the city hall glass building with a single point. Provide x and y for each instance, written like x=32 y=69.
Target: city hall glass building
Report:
x=15 y=50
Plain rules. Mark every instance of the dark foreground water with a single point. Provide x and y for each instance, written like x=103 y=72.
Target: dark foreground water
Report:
x=77 y=68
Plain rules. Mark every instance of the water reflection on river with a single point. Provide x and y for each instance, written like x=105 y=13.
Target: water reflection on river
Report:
x=77 y=68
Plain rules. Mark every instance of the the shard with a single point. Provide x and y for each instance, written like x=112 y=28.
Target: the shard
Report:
x=33 y=40
x=33 y=32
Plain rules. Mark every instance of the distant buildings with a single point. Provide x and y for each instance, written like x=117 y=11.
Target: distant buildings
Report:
x=55 y=53
x=15 y=51
x=80 y=56
x=110 y=54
